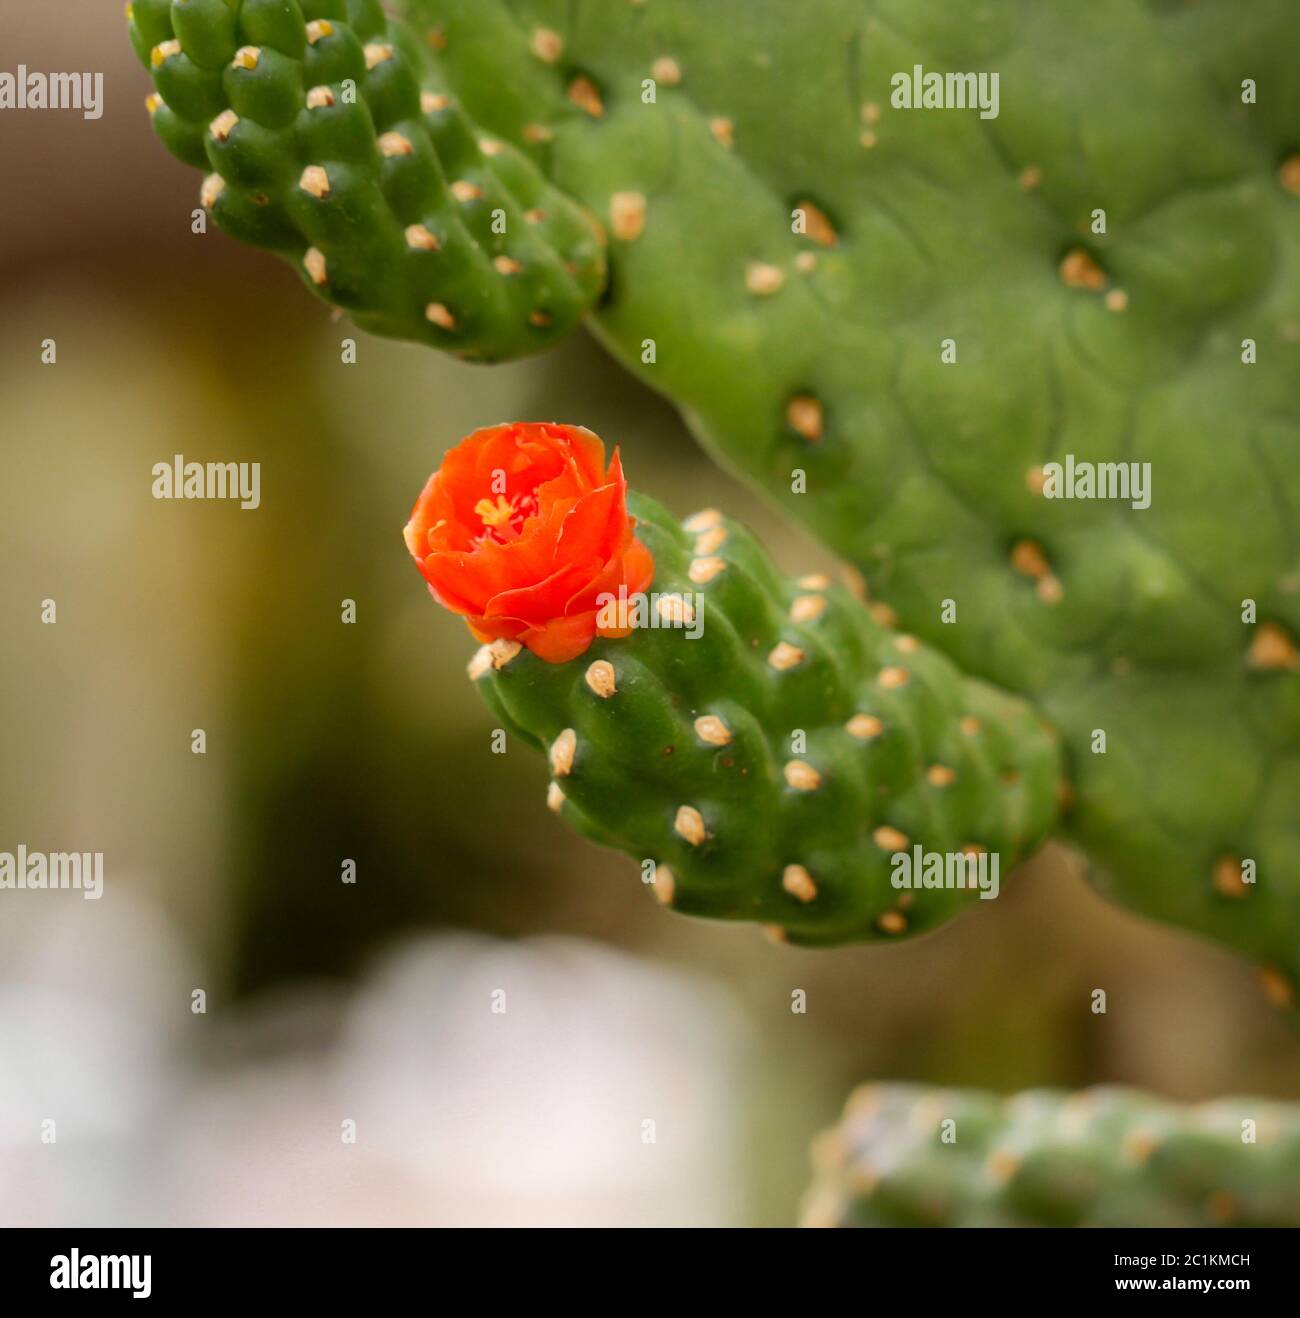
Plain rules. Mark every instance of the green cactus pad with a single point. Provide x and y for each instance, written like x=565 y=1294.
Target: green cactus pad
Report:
x=907 y=1155
x=330 y=139
x=790 y=253
x=772 y=766
x=798 y=250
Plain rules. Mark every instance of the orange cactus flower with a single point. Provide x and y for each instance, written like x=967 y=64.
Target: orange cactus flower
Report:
x=521 y=529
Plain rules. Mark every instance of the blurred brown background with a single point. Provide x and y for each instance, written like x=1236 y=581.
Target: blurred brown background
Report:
x=328 y=741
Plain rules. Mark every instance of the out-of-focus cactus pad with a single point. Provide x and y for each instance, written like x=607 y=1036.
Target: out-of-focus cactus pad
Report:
x=329 y=137
x=905 y=1155
x=770 y=767
x=821 y=351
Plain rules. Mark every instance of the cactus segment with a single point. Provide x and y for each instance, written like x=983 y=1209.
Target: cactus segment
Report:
x=773 y=766
x=907 y=1155
x=918 y=309
x=329 y=138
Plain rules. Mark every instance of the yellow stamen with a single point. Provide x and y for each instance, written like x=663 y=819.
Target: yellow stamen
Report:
x=496 y=515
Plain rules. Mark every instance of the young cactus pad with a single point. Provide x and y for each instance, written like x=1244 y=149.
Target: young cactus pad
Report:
x=765 y=747
x=905 y=1155
x=329 y=137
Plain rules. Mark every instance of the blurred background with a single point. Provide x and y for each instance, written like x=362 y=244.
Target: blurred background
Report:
x=372 y=1003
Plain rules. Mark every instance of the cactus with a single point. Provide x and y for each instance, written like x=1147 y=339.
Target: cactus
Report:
x=331 y=140
x=771 y=747
x=916 y=311
x=906 y=1155
x=823 y=352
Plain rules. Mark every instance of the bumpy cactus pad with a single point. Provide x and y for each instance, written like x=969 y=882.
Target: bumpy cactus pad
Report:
x=330 y=139
x=770 y=768
x=792 y=258
x=905 y=1155
x=821 y=351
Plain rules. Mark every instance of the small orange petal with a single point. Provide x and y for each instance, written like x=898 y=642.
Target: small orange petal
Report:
x=561 y=639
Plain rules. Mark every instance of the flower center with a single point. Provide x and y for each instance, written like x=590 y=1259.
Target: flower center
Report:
x=503 y=518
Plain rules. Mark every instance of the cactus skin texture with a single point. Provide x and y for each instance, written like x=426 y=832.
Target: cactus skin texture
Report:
x=679 y=750
x=821 y=351
x=331 y=141
x=1098 y=1157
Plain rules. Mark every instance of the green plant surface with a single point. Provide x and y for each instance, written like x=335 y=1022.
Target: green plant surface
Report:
x=821 y=353
x=791 y=258
x=768 y=747
x=329 y=140
x=908 y=1155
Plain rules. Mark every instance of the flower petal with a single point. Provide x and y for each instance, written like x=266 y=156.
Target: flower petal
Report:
x=561 y=639
x=557 y=534
x=538 y=603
